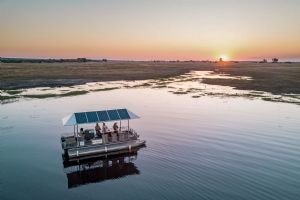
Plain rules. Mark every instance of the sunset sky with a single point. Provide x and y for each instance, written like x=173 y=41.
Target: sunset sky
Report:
x=150 y=29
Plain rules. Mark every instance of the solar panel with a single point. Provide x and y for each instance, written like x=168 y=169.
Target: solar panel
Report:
x=100 y=116
x=123 y=113
x=103 y=116
x=92 y=116
x=113 y=115
x=80 y=118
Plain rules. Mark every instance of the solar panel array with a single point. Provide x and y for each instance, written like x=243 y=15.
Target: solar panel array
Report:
x=101 y=116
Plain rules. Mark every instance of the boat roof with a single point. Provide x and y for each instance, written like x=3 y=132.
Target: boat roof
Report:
x=98 y=116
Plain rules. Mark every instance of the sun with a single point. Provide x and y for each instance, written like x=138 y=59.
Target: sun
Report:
x=224 y=57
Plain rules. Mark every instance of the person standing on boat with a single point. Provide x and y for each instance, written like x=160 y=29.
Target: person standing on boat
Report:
x=98 y=130
x=104 y=128
x=115 y=127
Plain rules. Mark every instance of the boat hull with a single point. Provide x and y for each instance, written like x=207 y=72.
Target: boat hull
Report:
x=100 y=149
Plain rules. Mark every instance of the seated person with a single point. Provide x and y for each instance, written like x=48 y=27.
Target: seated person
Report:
x=81 y=132
x=89 y=134
x=115 y=127
x=98 y=130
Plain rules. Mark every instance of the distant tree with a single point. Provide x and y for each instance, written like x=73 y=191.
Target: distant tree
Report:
x=275 y=60
x=221 y=60
x=263 y=61
x=81 y=60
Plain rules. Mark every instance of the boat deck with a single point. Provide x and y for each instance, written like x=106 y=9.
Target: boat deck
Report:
x=70 y=141
x=78 y=147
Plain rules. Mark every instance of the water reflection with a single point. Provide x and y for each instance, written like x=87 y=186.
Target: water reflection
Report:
x=106 y=167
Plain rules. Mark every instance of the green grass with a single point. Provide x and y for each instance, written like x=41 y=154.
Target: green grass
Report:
x=159 y=86
x=4 y=98
x=140 y=85
x=74 y=93
x=105 y=89
x=40 y=96
x=29 y=75
x=13 y=92
x=193 y=90
x=43 y=96
x=179 y=92
x=145 y=85
x=196 y=96
x=278 y=78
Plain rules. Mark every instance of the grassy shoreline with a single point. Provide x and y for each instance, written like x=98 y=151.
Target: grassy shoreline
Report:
x=276 y=78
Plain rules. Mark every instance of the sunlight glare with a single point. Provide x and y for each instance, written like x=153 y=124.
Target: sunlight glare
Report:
x=224 y=57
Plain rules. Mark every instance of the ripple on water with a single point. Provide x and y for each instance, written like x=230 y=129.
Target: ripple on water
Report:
x=196 y=148
x=228 y=158
x=4 y=129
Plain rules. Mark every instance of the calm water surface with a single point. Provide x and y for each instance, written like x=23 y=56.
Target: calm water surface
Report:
x=206 y=148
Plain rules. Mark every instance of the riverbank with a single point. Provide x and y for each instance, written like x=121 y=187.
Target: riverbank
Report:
x=30 y=75
x=275 y=78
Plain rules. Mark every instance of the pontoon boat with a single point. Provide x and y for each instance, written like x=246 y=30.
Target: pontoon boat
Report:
x=79 y=146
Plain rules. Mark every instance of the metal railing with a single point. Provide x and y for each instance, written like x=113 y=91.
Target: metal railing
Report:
x=69 y=141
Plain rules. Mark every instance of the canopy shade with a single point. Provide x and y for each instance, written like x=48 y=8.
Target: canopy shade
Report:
x=98 y=116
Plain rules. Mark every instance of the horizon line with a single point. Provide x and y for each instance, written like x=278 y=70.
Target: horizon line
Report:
x=148 y=60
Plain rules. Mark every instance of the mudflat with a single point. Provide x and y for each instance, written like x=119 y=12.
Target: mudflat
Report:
x=277 y=78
